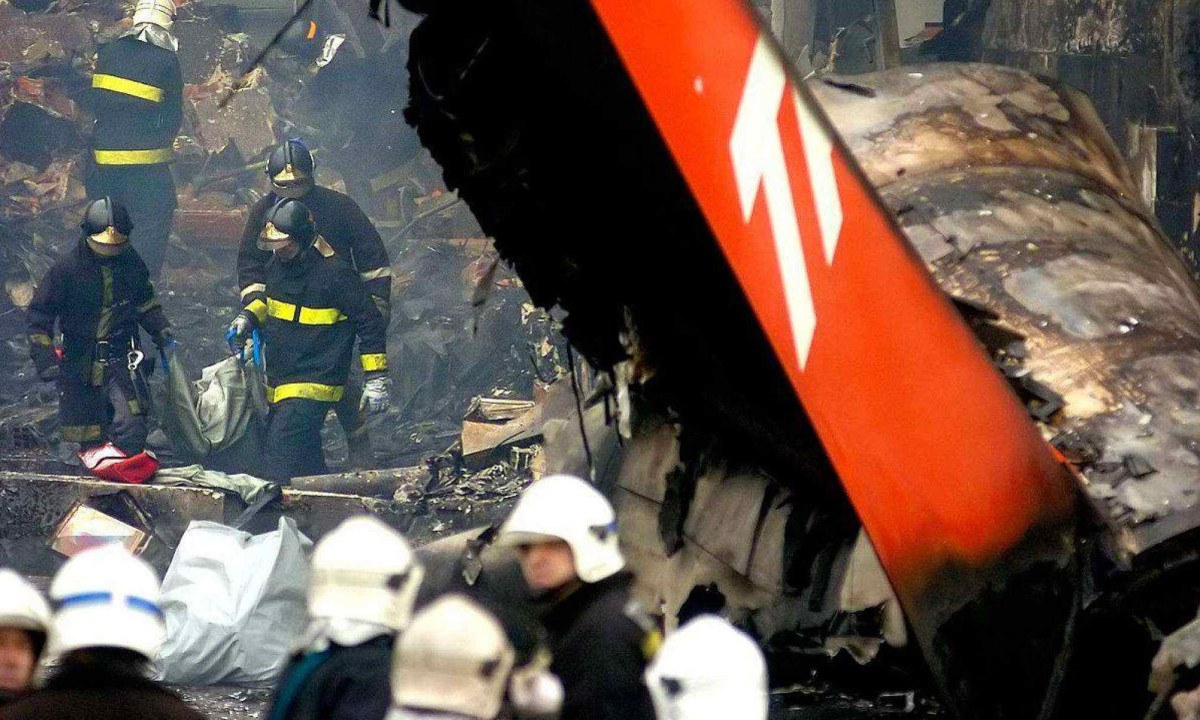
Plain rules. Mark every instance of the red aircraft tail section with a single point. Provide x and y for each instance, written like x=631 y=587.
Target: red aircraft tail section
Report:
x=969 y=511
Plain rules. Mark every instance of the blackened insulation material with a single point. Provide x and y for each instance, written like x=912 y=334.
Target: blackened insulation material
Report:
x=1008 y=188
x=1080 y=27
x=530 y=113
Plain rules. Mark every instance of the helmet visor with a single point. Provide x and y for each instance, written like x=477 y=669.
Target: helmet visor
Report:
x=291 y=182
x=104 y=249
x=109 y=236
x=272 y=239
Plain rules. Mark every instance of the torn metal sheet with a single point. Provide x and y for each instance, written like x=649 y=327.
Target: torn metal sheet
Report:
x=245 y=123
x=1017 y=200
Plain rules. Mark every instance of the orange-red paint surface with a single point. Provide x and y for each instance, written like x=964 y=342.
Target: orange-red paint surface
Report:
x=937 y=455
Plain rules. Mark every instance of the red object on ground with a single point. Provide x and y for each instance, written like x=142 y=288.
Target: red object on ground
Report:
x=108 y=462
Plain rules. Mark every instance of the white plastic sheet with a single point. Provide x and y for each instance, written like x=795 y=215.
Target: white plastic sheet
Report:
x=234 y=604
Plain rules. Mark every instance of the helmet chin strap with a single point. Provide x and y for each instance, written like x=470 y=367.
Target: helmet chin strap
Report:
x=288 y=252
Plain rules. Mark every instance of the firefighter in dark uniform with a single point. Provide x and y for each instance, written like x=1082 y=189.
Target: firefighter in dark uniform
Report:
x=311 y=306
x=565 y=532
x=138 y=93
x=98 y=292
x=346 y=229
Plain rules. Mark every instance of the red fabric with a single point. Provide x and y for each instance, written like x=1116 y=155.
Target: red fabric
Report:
x=107 y=462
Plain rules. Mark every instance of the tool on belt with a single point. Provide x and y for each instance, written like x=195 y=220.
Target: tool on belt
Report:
x=141 y=388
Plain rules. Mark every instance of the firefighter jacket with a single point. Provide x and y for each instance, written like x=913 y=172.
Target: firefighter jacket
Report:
x=314 y=306
x=99 y=692
x=98 y=303
x=345 y=228
x=600 y=652
x=138 y=94
x=341 y=683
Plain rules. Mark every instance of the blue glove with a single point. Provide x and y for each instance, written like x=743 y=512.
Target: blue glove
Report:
x=256 y=346
x=239 y=331
x=165 y=341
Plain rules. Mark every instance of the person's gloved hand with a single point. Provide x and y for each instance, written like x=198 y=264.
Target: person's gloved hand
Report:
x=376 y=392
x=384 y=307
x=50 y=373
x=240 y=329
x=165 y=340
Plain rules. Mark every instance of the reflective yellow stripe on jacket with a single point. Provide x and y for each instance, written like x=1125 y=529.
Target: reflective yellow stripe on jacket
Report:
x=134 y=157
x=305 y=316
x=125 y=86
x=308 y=391
x=374 y=361
x=258 y=308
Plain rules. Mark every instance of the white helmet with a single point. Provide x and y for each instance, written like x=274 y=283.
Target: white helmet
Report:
x=569 y=509
x=708 y=670
x=106 y=597
x=154 y=12
x=21 y=605
x=454 y=658
x=363 y=573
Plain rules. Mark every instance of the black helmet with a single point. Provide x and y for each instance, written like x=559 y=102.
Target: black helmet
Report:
x=288 y=221
x=106 y=225
x=290 y=168
x=304 y=38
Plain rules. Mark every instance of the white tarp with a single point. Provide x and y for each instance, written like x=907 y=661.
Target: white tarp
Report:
x=234 y=604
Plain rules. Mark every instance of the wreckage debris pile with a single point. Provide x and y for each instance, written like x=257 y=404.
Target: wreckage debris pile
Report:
x=446 y=351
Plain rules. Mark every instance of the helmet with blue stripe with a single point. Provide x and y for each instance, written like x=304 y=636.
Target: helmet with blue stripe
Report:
x=106 y=598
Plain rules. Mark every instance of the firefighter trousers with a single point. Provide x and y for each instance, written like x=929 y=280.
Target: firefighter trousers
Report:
x=90 y=414
x=293 y=445
x=148 y=193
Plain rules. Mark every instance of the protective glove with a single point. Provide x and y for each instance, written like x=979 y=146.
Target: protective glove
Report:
x=375 y=395
x=384 y=307
x=50 y=373
x=165 y=340
x=240 y=329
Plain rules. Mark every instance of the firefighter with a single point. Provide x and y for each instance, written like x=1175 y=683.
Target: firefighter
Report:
x=708 y=670
x=310 y=305
x=138 y=93
x=361 y=592
x=453 y=663
x=350 y=233
x=565 y=533
x=24 y=622
x=107 y=626
x=99 y=292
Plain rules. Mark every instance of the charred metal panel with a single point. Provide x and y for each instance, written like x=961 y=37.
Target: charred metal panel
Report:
x=1100 y=27
x=31 y=505
x=1008 y=188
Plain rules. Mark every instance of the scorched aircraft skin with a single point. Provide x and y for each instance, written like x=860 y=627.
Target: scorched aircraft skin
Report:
x=866 y=338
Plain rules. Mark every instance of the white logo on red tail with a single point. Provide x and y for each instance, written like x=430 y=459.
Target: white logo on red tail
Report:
x=758 y=161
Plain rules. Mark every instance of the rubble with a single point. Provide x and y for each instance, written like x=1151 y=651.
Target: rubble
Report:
x=245 y=124
x=39 y=42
